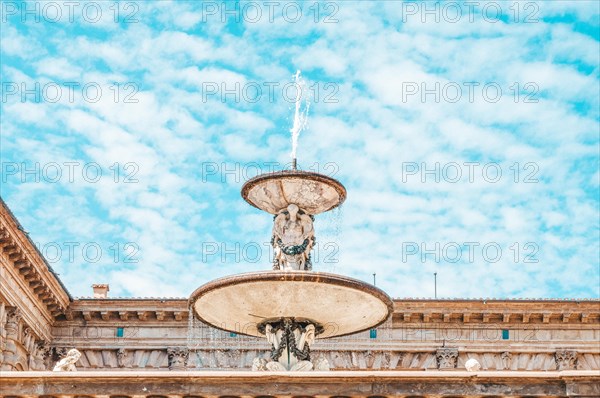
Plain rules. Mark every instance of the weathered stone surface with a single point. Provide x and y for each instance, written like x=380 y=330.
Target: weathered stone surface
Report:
x=304 y=384
x=315 y=193
x=313 y=296
x=566 y=359
x=178 y=358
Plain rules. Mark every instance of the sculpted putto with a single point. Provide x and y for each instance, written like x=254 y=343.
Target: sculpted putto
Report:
x=293 y=239
x=67 y=364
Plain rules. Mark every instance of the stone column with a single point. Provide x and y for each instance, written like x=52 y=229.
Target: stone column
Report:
x=13 y=317
x=2 y=332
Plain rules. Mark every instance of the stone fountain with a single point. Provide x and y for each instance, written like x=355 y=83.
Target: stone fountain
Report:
x=291 y=305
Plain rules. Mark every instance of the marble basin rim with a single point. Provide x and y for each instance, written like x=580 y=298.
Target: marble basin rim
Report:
x=312 y=192
x=340 y=304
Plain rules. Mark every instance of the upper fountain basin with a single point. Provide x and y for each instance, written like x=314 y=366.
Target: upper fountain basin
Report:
x=312 y=192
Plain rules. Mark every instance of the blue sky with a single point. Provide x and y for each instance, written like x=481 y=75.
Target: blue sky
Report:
x=467 y=138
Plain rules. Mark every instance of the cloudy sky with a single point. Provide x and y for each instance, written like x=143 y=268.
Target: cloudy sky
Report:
x=466 y=135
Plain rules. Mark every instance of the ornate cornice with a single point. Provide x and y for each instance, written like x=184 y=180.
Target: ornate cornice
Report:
x=131 y=310
x=19 y=251
x=471 y=312
x=509 y=312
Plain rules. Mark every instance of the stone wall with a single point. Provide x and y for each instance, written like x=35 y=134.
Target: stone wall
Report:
x=149 y=328
x=359 y=384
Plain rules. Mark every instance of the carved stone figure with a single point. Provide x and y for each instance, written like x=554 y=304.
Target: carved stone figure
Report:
x=566 y=360
x=472 y=365
x=386 y=360
x=369 y=359
x=28 y=340
x=293 y=239
x=122 y=356
x=178 y=358
x=67 y=364
x=446 y=358
x=506 y=358
x=290 y=346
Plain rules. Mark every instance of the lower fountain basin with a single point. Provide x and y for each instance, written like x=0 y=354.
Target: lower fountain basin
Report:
x=312 y=192
x=341 y=305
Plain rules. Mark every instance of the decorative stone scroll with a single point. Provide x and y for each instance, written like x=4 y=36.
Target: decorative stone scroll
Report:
x=178 y=358
x=446 y=358
x=566 y=360
x=37 y=359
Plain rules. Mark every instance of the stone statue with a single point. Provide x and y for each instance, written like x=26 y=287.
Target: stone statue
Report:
x=290 y=347
x=122 y=356
x=67 y=364
x=506 y=358
x=293 y=239
x=472 y=365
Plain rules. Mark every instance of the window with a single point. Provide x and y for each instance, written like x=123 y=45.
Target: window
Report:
x=373 y=333
x=231 y=334
x=505 y=334
x=119 y=332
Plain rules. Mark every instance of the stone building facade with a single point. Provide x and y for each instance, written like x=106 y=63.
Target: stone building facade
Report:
x=151 y=347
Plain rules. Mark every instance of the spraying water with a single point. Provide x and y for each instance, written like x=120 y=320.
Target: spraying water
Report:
x=300 y=115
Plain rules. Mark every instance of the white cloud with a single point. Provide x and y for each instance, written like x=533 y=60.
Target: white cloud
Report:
x=369 y=135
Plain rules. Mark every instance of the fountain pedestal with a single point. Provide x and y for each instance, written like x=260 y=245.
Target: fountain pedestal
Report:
x=291 y=306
